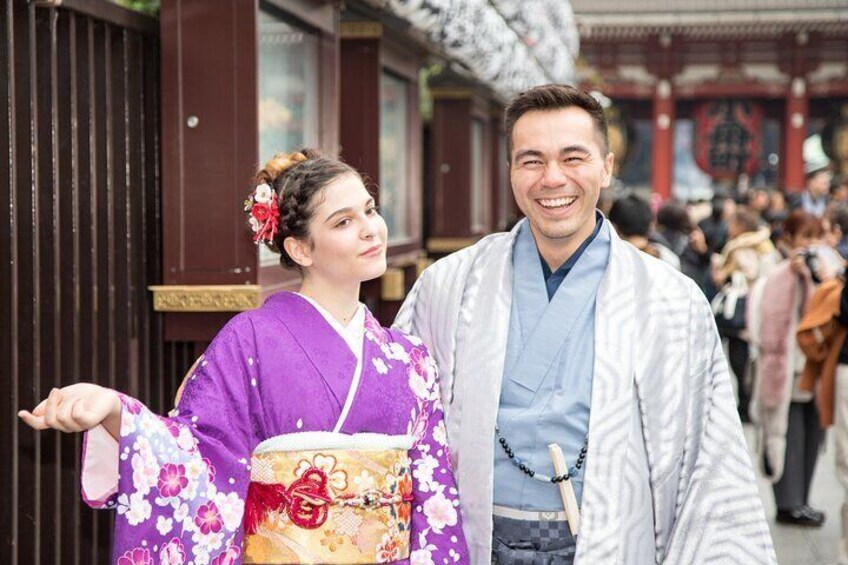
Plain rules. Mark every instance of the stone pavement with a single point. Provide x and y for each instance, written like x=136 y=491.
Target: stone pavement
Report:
x=806 y=546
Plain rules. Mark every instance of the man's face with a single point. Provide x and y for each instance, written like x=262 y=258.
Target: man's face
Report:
x=557 y=171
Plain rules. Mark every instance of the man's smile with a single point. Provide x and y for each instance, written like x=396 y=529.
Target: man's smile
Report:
x=557 y=204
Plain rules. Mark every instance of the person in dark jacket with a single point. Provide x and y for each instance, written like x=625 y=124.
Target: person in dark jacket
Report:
x=632 y=219
x=714 y=226
x=676 y=230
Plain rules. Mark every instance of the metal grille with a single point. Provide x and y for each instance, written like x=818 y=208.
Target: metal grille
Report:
x=81 y=242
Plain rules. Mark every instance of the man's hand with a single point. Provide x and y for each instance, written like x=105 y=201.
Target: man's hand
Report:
x=77 y=408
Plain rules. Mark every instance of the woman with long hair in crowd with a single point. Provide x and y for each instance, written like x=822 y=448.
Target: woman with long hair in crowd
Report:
x=785 y=415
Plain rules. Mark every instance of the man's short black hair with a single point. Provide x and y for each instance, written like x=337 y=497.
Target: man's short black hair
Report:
x=631 y=216
x=674 y=216
x=552 y=97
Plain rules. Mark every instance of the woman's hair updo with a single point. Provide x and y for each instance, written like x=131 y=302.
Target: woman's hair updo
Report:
x=296 y=179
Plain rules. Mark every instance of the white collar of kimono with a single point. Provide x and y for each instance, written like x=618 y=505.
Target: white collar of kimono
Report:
x=354 y=336
x=353 y=333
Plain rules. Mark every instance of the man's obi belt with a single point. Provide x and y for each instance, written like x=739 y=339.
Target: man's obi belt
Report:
x=324 y=497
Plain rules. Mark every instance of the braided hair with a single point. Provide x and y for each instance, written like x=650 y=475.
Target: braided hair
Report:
x=296 y=179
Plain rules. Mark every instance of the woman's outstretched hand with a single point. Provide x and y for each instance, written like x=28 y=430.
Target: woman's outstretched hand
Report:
x=77 y=408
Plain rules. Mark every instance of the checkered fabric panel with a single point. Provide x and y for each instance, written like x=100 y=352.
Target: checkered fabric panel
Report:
x=530 y=542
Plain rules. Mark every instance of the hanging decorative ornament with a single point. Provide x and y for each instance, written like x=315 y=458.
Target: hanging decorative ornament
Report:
x=728 y=137
x=503 y=44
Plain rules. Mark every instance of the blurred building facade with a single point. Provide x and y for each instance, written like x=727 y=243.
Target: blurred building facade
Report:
x=721 y=92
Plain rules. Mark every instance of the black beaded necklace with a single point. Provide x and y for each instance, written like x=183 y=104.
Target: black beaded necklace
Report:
x=525 y=468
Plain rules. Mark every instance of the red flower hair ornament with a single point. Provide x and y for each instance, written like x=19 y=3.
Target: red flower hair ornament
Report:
x=261 y=206
x=263 y=213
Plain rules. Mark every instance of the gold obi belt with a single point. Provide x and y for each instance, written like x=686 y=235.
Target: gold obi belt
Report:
x=325 y=497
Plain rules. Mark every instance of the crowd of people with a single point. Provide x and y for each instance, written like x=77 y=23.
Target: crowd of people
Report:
x=772 y=265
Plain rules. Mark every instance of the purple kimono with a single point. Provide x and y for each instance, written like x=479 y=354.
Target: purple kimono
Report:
x=281 y=369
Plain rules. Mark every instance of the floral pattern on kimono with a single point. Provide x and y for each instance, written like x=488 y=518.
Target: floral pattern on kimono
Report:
x=435 y=510
x=182 y=481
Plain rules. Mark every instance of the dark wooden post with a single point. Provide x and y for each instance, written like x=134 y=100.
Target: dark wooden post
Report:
x=210 y=151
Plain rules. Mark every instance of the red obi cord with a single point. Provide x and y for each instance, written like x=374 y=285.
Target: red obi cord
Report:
x=306 y=501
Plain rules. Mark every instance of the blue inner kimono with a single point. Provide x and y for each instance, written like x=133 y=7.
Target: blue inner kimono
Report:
x=548 y=367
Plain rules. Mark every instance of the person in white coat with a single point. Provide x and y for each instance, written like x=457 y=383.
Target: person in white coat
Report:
x=559 y=336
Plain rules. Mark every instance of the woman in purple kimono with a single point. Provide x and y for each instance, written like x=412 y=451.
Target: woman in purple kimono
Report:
x=306 y=433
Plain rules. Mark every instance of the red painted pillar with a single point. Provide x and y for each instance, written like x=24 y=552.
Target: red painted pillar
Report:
x=795 y=128
x=662 y=171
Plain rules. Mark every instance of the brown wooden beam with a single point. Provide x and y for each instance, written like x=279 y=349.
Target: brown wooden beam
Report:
x=360 y=104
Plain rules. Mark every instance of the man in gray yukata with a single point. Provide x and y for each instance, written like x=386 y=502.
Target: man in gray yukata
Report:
x=559 y=333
